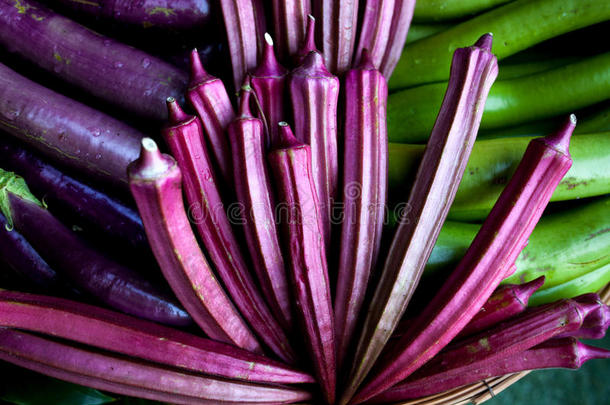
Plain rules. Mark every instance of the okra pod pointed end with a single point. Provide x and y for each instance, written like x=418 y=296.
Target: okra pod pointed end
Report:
x=365 y=63
x=244 y=99
x=313 y=66
x=591 y=352
x=151 y=162
x=175 y=113
x=560 y=140
x=269 y=65
x=485 y=41
x=286 y=138
x=309 y=42
x=198 y=73
x=529 y=288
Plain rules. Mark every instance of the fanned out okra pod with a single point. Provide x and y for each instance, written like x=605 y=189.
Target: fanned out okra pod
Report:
x=156 y=184
x=183 y=134
x=473 y=72
x=486 y=262
x=208 y=96
x=300 y=216
x=133 y=377
x=314 y=93
x=374 y=34
x=401 y=21
x=113 y=331
x=290 y=23
x=554 y=353
x=364 y=193
x=268 y=81
x=253 y=189
x=338 y=31
x=308 y=44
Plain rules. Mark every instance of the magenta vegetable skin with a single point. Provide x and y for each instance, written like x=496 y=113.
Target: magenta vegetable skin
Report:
x=486 y=262
x=554 y=353
x=365 y=164
x=208 y=96
x=156 y=185
x=300 y=218
x=113 y=331
x=597 y=321
x=314 y=93
x=254 y=194
x=66 y=131
x=114 y=72
x=401 y=21
x=375 y=28
x=173 y=14
x=184 y=137
x=133 y=377
x=473 y=71
x=338 y=29
x=308 y=44
x=290 y=23
x=268 y=81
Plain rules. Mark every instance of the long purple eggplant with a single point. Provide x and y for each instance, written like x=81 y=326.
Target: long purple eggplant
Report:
x=114 y=72
x=59 y=190
x=133 y=377
x=300 y=217
x=183 y=134
x=87 y=269
x=555 y=353
x=487 y=261
x=338 y=21
x=314 y=93
x=68 y=132
x=401 y=21
x=172 y=14
x=254 y=193
x=374 y=34
x=473 y=71
x=365 y=162
x=119 y=333
x=290 y=24
x=156 y=185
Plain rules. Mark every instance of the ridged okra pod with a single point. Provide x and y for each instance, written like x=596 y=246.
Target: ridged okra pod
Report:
x=488 y=260
x=401 y=22
x=290 y=23
x=308 y=44
x=364 y=193
x=473 y=71
x=184 y=137
x=338 y=21
x=314 y=93
x=156 y=185
x=254 y=193
x=374 y=34
x=596 y=322
x=300 y=217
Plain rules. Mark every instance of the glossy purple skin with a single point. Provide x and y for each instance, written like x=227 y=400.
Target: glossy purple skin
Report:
x=17 y=253
x=290 y=25
x=89 y=270
x=300 y=219
x=494 y=250
x=68 y=132
x=555 y=353
x=474 y=69
x=113 y=331
x=401 y=21
x=184 y=137
x=57 y=189
x=338 y=22
x=175 y=14
x=374 y=34
x=116 y=73
x=597 y=321
x=365 y=161
x=128 y=376
x=156 y=185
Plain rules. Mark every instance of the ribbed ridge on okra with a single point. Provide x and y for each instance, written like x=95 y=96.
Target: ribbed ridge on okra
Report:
x=290 y=23
x=300 y=218
x=338 y=29
x=184 y=138
x=401 y=22
x=490 y=256
x=364 y=193
x=375 y=30
x=596 y=322
x=156 y=185
x=473 y=71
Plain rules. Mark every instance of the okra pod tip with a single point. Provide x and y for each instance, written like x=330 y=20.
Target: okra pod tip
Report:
x=151 y=162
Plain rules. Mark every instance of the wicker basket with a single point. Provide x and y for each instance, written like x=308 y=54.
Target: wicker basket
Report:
x=481 y=391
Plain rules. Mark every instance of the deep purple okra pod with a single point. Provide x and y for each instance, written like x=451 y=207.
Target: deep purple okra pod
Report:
x=308 y=44
x=156 y=185
x=290 y=23
x=365 y=162
x=300 y=217
x=597 y=321
x=254 y=193
x=401 y=21
x=338 y=22
x=374 y=32
x=183 y=134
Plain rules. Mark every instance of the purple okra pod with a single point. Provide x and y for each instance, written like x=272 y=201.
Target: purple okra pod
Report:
x=183 y=134
x=554 y=353
x=374 y=33
x=492 y=253
x=208 y=96
x=268 y=81
x=300 y=217
x=472 y=73
x=364 y=194
x=113 y=331
x=597 y=321
x=133 y=377
x=314 y=93
x=401 y=21
x=156 y=185
x=290 y=23
x=338 y=29
x=308 y=44
x=254 y=193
